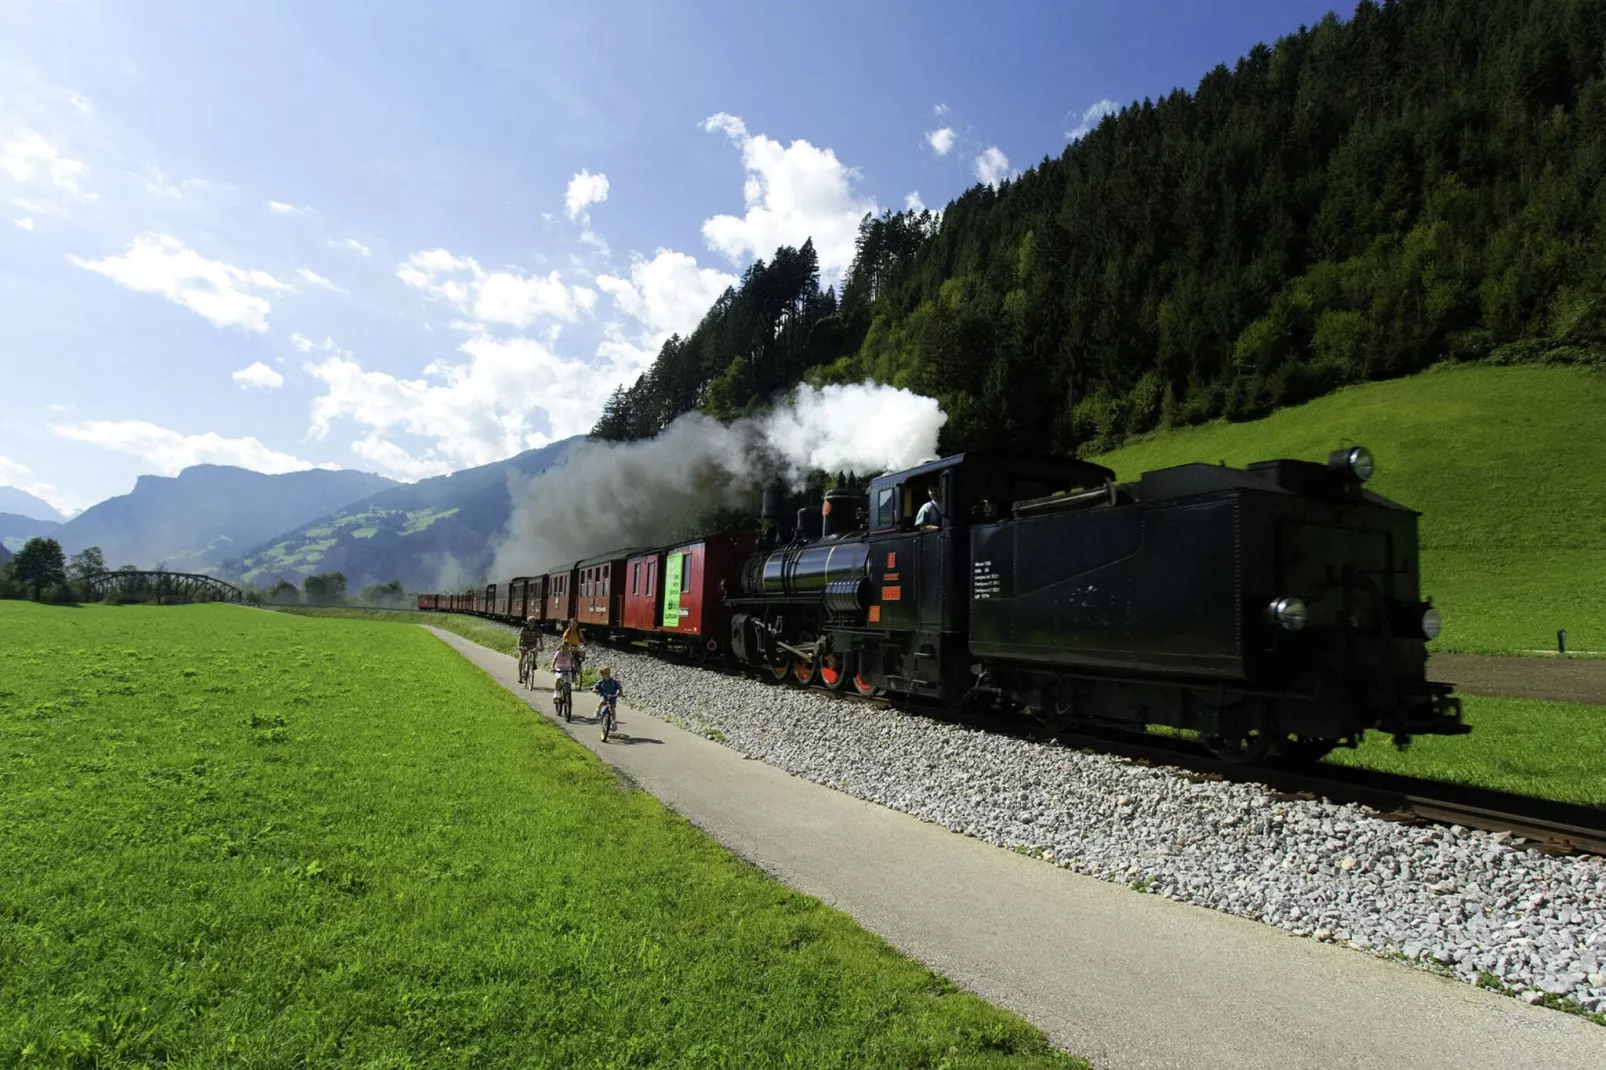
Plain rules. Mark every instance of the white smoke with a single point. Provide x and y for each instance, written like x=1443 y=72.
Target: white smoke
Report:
x=606 y=496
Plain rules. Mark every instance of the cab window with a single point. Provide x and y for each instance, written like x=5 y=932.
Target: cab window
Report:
x=886 y=508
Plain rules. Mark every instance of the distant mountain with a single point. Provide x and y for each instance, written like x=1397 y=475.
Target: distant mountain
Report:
x=194 y=520
x=5 y=555
x=16 y=529
x=418 y=533
x=22 y=503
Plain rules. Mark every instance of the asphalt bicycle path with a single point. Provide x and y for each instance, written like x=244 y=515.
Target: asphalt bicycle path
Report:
x=1120 y=978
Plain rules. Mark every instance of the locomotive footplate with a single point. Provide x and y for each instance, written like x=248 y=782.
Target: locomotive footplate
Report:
x=1427 y=710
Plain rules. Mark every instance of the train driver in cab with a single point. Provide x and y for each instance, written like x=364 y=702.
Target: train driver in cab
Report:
x=929 y=518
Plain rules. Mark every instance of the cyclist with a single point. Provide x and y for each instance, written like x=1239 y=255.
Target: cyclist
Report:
x=610 y=690
x=529 y=647
x=564 y=667
x=574 y=641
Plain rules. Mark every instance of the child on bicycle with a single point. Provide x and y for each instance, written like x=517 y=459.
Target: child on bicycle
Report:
x=564 y=666
x=609 y=688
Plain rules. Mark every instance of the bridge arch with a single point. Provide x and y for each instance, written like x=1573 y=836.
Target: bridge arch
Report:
x=162 y=586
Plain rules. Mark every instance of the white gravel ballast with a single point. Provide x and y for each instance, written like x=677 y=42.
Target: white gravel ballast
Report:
x=1462 y=901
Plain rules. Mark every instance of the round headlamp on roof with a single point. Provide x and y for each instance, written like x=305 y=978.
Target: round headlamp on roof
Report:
x=1352 y=462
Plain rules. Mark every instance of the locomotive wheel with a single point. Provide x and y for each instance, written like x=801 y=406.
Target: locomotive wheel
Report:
x=781 y=670
x=865 y=687
x=804 y=668
x=1247 y=749
x=834 y=672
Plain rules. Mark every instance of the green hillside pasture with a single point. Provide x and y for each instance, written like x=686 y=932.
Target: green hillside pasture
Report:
x=1508 y=467
x=238 y=839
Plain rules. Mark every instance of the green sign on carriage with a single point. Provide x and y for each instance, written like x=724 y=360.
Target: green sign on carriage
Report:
x=676 y=562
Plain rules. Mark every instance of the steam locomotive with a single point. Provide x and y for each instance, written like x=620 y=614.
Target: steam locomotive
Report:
x=1273 y=609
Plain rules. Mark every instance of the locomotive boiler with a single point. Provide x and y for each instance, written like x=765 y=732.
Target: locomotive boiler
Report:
x=1273 y=608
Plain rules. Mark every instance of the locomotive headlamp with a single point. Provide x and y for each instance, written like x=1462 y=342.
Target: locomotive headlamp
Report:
x=1432 y=623
x=1289 y=613
x=1353 y=463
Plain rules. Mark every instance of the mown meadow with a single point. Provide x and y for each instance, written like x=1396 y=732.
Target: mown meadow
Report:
x=240 y=838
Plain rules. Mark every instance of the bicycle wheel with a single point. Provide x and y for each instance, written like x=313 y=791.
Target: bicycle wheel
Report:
x=568 y=703
x=607 y=721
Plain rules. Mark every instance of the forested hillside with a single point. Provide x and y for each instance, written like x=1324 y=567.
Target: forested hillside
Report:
x=1425 y=180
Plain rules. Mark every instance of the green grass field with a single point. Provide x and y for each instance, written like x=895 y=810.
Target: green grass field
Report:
x=240 y=838
x=1508 y=466
x=1548 y=749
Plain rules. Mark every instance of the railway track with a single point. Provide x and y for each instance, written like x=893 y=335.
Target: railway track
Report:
x=1546 y=825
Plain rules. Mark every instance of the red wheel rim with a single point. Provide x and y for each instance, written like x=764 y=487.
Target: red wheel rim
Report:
x=831 y=669
x=781 y=671
x=863 y=686
x=803 y=669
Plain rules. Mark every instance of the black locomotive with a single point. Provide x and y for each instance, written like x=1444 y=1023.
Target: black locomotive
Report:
x=1274 y=608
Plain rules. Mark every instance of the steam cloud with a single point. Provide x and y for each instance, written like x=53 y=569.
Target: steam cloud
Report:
x=615 y=495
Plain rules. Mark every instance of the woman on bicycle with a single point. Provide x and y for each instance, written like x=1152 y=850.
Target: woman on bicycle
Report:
x=573 y=641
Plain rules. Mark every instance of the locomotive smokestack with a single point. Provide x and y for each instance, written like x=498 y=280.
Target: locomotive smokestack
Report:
x=842 y=510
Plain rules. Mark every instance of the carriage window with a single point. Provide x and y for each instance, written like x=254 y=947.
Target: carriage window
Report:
x=635 y=578
x=652 y=574
x=606 y=576
x=685 y=573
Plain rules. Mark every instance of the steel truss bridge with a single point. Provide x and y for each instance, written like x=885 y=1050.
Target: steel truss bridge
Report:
x=162 y=587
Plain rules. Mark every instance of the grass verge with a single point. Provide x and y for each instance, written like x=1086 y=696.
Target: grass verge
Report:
x=1551 y=750
x=233 y=838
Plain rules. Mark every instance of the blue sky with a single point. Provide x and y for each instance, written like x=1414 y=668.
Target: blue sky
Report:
x=410 y=238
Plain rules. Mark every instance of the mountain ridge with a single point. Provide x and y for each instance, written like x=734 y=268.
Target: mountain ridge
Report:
x=432 y=533
x=191 y=521
x=19 y=502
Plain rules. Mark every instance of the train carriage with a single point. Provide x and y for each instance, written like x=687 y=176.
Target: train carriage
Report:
x=562 y=585
x=600 y=599
x=641 y=612
x=696 y=575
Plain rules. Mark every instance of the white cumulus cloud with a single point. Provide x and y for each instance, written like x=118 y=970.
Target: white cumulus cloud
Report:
x=585 y=188
x=353 y=243
x=508 y=395
x=500 y=297
x=939 y=109
x=169 y=452
x=793 y=193
x=941 y=141
x=222 y=294
x=913 y=203
x=30 y=155
x=1091 y=118
x=284 y=209
x=992 y=166
x=258 y=376
x=25 y=222
x=316 y=279
x=668 y=294
x=302 y=342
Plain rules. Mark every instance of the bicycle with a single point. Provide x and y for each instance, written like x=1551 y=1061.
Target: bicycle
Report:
x=563 y=701
x=607 y=716
x=527 y=662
